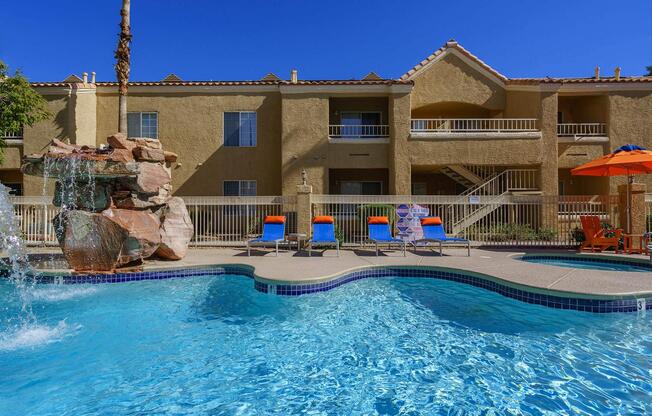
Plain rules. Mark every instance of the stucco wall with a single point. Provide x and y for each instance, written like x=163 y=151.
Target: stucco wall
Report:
x=630 y=121
x=304 y=120
x=36 y=138
x=191 y=125
x=452 y=80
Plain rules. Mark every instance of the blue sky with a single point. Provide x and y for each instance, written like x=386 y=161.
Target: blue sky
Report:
x=219 y=40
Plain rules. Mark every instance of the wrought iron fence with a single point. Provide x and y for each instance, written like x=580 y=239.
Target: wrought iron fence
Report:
x=35 y=215
x=217 y=221
x=230 y=221
x=511 y=220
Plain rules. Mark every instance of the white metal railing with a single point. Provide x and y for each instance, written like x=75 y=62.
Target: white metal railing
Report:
x=217 y=220
x=473 y=125
x=514 y=220
x=340 y=131
x=35 y=215
x=581 y=129
x=510 y=180
x=12 y=135
x=227 y=221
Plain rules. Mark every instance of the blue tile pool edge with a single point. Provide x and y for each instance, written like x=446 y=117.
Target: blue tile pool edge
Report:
x=589 y=258
x=537 y=296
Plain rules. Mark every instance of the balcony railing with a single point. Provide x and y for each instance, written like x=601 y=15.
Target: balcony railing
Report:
x=473 y=125
x=581 y=129
x=338 y=131
x=13 y=135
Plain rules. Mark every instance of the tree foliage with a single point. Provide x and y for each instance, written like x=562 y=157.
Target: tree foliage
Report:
x=20 y=104
x=649 y=70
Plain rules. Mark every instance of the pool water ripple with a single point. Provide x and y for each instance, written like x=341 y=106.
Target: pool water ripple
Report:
x=213 y=344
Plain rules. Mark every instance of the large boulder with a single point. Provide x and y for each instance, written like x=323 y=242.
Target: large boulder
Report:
x=176 y=230
x=146 y=154
x=146 y=142
x=120 y=141
x=133 y=200
x=142 y=229
x=90 y=196
x=151 y=177
x=89 y=241
x=121 y=155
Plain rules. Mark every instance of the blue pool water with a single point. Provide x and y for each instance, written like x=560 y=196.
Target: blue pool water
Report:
x=580 y=263
x=214 y=345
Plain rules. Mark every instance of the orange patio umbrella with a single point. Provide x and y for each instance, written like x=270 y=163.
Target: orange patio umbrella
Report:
x=627 y=161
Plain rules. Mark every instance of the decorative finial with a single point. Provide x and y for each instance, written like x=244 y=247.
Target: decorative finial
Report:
x=304 y=177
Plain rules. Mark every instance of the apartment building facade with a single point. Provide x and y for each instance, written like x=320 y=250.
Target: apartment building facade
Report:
x=450 y=124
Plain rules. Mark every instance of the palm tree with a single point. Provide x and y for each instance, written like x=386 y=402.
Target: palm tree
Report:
x=122 y=66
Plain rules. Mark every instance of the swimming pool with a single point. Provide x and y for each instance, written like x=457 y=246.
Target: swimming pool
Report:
x=592 y=263
x=215 y=345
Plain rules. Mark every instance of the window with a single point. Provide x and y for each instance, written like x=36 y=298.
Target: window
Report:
x=240 y=129
x=361 y=188
x=239 y=188
x=353 y=122
x=419 y=188
x=142 y=125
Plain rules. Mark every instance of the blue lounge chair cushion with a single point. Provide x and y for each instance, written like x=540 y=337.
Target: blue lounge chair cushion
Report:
x=437 y=233
x=323 y=233
x=271 y=232
x=381 y=233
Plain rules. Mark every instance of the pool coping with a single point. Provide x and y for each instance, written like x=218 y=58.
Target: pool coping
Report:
x=562 y=299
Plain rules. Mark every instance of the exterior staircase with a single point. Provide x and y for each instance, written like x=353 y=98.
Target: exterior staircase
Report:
x=468 y=176
x=478 y=201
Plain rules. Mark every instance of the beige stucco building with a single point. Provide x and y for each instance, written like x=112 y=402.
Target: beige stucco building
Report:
x=449 y=124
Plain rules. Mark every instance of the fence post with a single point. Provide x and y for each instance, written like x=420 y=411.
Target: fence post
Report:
x=637 y=225
x=304 y=208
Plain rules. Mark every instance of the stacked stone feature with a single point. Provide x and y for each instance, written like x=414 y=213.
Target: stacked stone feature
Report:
x=127 y=215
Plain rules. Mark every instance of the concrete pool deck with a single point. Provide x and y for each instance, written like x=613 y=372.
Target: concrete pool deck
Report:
x=501 y=264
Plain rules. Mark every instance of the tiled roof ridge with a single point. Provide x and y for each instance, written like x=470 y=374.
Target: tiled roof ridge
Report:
x=452 y=44
x=236 y=83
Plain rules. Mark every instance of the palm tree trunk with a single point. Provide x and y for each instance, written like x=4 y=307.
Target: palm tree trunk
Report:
x=122 y=67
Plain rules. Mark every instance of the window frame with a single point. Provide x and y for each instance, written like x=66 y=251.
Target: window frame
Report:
x=140 y=113
x=239 y=181
x=380 y=116
x=239 y=130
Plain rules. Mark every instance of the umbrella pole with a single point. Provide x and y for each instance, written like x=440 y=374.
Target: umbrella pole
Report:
x=630 y=179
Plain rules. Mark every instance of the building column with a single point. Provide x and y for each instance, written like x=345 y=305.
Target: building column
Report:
x=400 y=173
x=549 y=171
x=638 y=218
x=304 y=209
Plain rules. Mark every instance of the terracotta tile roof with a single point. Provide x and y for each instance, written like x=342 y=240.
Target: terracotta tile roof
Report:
x=452 y=44
x=236 y=83
x=588 y=80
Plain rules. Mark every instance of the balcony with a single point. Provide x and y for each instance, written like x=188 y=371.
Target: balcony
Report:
x=582 y=132
x=474 y=128
x=362 y=133
x=12 y=137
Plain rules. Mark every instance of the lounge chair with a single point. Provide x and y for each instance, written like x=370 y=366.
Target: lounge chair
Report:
x=380 y=233
x=594 y=235
x=323 y=234
x=273 y=234
x=433 y=232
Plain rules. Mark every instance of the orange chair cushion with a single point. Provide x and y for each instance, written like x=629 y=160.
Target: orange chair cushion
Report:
x=323 y=219
x=275 y=219
x=430 y=221
x=378 y=220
